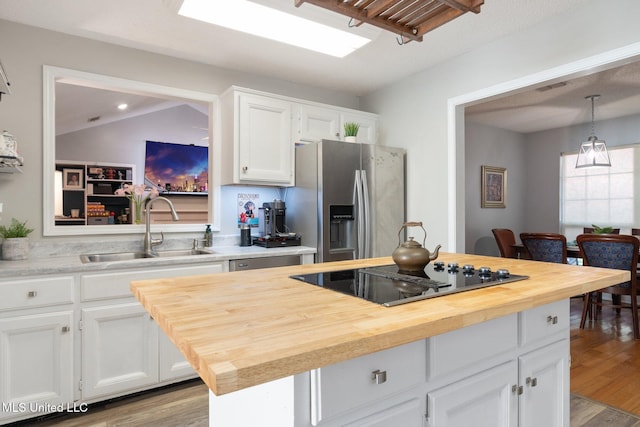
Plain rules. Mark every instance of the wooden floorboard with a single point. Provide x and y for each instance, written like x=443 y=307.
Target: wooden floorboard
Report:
x=605 y=385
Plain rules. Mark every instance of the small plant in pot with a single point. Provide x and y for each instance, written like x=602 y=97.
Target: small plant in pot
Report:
x=15 y=243
x=351 y=131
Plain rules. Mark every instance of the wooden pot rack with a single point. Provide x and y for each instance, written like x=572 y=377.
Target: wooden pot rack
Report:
x=410 y=19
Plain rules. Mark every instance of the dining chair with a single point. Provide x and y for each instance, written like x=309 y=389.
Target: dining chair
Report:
x=505 y=240
x=611 y=251
x=588 y=230
x=548 y=247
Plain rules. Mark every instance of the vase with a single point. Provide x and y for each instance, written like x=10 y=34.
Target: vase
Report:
x=137 y=212
x=15 y=248
x=349 y=139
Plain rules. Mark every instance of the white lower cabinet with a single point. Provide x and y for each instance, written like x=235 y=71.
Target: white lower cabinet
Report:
x=36 y=364
x=119 y=350
x=123 y=349
x=483 y=400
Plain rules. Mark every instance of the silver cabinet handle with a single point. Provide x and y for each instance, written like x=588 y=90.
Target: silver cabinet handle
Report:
x=516 y=389
x=379 y=376
x=552 y=320
x=532 y=382
x=32 y=294
x=245 y=169
x=65 y=329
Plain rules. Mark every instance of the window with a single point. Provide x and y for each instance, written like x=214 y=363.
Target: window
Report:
x=604 y=196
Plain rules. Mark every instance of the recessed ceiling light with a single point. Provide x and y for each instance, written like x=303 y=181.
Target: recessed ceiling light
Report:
x=262 y=21
x=123 y=107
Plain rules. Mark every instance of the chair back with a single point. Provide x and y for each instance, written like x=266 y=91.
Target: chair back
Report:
x=505 y=240
x=611 y=251
x=588 y=230
x=548 y=247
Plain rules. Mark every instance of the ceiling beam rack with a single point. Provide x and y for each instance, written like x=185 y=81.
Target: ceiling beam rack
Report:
x=410 y=19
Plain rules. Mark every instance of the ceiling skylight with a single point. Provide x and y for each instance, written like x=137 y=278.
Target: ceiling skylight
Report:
x=262 y=21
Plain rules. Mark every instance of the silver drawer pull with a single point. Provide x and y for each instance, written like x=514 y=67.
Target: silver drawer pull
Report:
x=379 y=376
x=552 y=319
x=32 y=294
x=65 y=329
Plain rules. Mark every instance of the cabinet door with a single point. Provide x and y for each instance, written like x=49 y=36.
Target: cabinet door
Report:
x=406 y=414
x=172 y=363
x=487 y=399
x=119 y=350
x=544 y=376
x=266 y=149
x=36 y=363
x=368 y=131
x=316 y=123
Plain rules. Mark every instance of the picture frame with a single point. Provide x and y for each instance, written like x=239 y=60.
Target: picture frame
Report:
x=72 y=179
x=494 y=187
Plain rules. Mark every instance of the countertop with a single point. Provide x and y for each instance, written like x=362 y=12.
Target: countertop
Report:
x=66 y=264
x=246 y=328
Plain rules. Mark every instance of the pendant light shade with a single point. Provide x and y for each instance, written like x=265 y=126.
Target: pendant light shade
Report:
x=593 y=152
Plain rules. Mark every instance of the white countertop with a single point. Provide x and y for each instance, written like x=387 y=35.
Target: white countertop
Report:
x=70 y=263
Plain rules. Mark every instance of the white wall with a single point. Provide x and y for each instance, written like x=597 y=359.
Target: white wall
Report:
x=24 y=50
x=414 y=111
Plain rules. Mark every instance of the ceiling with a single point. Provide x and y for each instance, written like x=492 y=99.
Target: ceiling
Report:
x=154 y=26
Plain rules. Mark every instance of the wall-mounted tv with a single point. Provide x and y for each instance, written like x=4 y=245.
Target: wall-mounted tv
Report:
x=177 y=167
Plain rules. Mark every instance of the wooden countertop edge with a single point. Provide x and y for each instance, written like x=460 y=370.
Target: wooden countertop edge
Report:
x=369 y=333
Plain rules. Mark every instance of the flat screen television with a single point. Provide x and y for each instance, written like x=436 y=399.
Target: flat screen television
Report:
x=177 y=167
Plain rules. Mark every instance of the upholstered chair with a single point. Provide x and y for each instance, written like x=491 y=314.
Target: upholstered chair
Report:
x=548 y=247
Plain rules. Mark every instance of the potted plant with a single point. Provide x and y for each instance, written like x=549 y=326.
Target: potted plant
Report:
x=15 y=243
x=601 y=230
x=351 y=131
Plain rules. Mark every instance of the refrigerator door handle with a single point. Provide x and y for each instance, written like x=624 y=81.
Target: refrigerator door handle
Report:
x=367 y=215
x=358 y=200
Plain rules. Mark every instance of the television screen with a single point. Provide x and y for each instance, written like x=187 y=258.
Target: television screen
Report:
x=177 y=167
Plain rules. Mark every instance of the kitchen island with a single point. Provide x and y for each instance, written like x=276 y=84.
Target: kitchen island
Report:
x=275 y=350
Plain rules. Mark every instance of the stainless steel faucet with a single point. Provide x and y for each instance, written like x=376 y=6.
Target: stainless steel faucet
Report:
x=149 y=242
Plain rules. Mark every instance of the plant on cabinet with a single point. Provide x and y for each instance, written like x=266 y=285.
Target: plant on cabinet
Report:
x=351 y=131
x=15 y=244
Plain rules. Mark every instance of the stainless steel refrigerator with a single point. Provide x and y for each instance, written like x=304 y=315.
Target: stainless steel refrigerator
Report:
x=349 y=199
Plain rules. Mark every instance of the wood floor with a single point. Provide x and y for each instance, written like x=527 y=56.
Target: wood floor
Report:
x=605 y=359
x=605 y=368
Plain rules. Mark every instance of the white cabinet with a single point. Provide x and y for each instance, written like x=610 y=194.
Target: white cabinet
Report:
x=544 y=376
x=486 y=399
x=368 y=131
x=123 y=349
x=36 y=346
x=316 y=122
x=119 y=350
x=257 y=145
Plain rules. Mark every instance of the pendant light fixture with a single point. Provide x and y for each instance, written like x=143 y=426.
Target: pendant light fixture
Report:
x=593 y=152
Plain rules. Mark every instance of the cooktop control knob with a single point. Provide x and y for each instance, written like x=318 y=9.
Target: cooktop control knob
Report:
x=453 y=267
x=438 y=265
x=485 y=271
x=467 y=268
x=502 y=273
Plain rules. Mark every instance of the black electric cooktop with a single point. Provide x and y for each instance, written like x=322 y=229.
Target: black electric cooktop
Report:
x=388 y=286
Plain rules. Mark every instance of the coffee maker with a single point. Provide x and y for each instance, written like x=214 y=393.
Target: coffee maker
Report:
x=272 y=226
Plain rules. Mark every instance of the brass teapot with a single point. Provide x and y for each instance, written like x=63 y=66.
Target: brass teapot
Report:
x=411 y=255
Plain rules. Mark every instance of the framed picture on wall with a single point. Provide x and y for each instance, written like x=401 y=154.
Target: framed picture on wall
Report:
x=494 y=187
x=72 y=179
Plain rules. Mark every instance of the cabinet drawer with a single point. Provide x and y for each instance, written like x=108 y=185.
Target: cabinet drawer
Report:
x=37 y=292
x=101 y=286
x=349 y=384
x=544 y=321
x=466 y=347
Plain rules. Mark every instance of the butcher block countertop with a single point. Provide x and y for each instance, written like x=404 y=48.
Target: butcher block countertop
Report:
x=246 y=328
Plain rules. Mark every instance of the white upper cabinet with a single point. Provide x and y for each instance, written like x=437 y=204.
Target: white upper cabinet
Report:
x=316 y=122
x=257 y=146
x=260 y=130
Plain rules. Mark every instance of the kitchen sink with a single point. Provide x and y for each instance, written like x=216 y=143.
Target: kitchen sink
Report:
x=126 y=256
